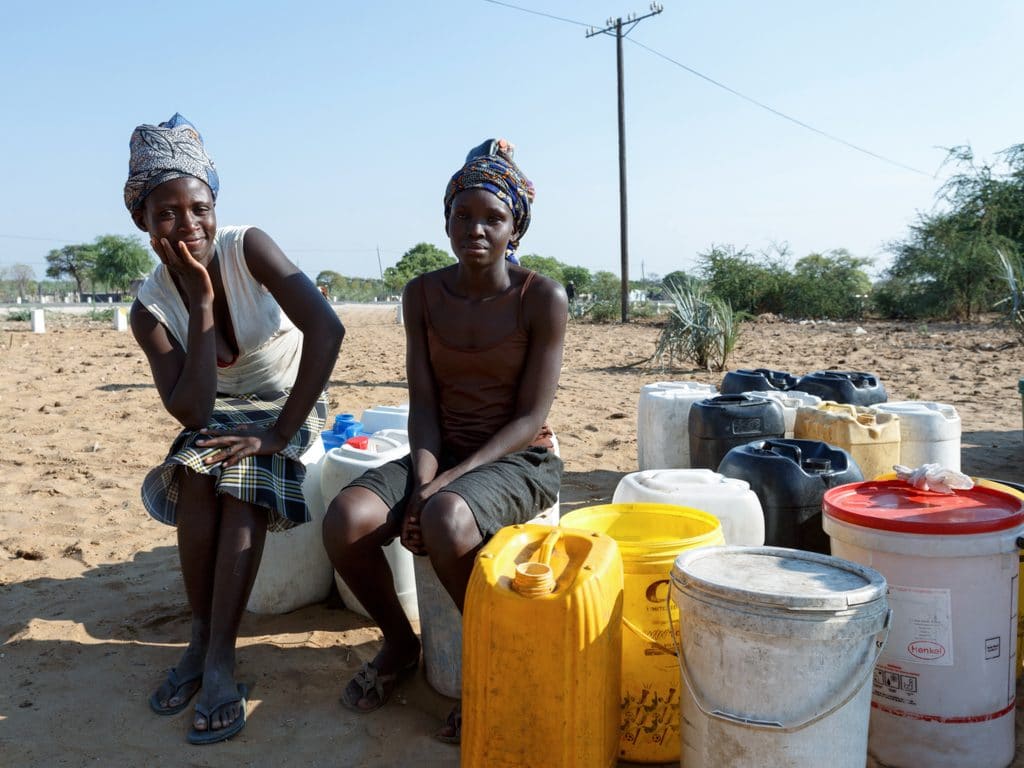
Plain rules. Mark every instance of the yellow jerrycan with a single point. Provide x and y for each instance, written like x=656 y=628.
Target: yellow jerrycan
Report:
x=541 y=651
x=872 y=438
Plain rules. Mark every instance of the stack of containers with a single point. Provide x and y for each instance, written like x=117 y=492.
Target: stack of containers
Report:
x=789 y=401
x=662 y=438
x=790 y=478
x=542 y=651
x=730 y=500
x=929 y=432
x=871 y=437
x=944 y=686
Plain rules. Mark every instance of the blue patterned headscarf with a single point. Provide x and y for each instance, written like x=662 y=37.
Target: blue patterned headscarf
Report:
x=164 y=152
x=489 y=166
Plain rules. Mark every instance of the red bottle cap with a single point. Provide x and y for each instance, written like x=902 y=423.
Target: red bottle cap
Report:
x=359 y=441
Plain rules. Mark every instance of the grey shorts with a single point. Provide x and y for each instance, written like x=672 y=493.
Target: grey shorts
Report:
x=511 y=490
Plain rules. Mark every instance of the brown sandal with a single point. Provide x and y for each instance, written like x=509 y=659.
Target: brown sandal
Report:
x=369 y=683
x=451 y=731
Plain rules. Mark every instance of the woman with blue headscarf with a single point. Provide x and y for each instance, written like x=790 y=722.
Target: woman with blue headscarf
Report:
x=222 y=321
x=483 y=354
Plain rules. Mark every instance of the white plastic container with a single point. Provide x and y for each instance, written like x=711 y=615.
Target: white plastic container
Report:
x=295 y=570
x=663 y=413
x=776 y=650
x=385 y=417
x=441 y=622
x=728 y=499
x=929 y=432
x=944 y=687
x=341 y=466
x=790 y=401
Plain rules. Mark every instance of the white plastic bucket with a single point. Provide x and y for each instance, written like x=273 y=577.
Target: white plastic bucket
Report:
x=385 y=417
x=790 y=401
x=929 y=432
x=441 y=622
x=295 y=570
x=776 y=649
x=341 y=466
x=662 y=434
x=944 y=687
x=728 y=499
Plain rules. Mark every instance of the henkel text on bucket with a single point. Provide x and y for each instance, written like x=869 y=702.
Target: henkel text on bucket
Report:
x=944 y=687
x=776 y=649
x=650 y=537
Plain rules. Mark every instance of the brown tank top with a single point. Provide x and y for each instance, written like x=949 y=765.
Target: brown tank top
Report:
x=477 y=388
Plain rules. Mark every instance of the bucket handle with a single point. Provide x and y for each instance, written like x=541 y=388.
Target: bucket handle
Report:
x=856 y=683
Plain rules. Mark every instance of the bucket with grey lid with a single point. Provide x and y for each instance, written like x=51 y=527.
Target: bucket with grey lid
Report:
x=776 y=651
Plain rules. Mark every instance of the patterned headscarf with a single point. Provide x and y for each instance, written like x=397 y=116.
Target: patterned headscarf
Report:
x=489 y=166
x=164 y=152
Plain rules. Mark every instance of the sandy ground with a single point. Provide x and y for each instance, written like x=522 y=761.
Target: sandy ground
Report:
x=93 y=607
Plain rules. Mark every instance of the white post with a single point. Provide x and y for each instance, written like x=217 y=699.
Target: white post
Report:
x=398 y=313
x=38 y=321
x=120 y=319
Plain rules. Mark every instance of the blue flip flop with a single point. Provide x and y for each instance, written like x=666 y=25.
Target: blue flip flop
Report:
x=210 y=736
x=177 y=683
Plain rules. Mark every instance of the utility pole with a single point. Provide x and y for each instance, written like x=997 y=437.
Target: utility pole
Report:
x=620 y=28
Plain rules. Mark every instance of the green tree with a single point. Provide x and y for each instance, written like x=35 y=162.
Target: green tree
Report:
x=948 y=265
x=421 y=258
x=545 y=265
x=75 y=261
x=579 y=277
x=332 y=280
x=24 y=278
x=606 y=286
x=748 y=283
x=120 y=261
x=827 y=285
x=676 y=279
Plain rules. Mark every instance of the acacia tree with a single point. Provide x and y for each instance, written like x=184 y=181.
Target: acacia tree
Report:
x=75 y=261
x=121 y=260
x=948 y=266
x=22 y=275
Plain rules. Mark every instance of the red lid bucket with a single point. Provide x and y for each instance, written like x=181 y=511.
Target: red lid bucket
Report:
x=893 y=505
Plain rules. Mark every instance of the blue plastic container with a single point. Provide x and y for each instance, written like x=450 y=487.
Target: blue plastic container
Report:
x=345 y=426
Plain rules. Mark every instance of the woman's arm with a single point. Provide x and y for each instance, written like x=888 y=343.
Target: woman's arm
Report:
x=322 y=331
x=186 y=381
x=424 y=416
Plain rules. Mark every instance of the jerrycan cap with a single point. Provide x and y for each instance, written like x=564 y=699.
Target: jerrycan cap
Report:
x=893 y=505
x=362 y=442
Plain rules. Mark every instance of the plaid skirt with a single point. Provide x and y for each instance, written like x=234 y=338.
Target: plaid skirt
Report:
x=273 y=482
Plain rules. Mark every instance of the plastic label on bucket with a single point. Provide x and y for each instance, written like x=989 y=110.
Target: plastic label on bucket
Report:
x=924 y=633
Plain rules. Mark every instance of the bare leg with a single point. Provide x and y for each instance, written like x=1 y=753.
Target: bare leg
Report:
x=198 y=522
x=240 y=538
x=356 y=527
x=451 y=536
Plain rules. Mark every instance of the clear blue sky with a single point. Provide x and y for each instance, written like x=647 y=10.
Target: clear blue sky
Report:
x=335 y=125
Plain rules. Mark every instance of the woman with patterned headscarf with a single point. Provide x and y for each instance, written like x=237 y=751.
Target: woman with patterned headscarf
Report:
x=483 y=353
x=222 y=317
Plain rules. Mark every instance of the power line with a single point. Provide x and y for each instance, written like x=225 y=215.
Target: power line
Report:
x=783 y=115
x=538 y=13
x=734 y=92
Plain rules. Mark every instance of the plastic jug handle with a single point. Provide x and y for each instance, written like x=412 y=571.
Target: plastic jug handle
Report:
x=547 y=547
x=855 y=683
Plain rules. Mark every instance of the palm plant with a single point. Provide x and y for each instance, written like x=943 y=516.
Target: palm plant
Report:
x=701 y=327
